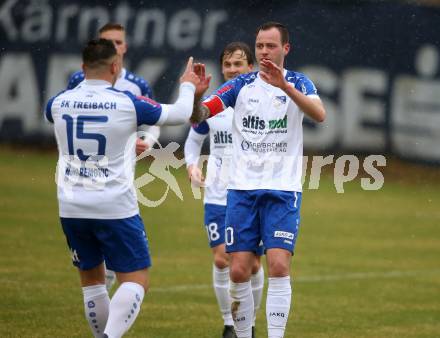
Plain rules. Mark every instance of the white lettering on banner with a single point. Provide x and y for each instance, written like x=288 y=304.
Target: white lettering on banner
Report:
x=347 y=120
x=359 y=110
x=181 y=30
x=65 y=13
x=19 y=91
x=150 y=18
x=122 y=14
x=38 y=23
x=415 y=111
x=213 y=20
x=7 y=21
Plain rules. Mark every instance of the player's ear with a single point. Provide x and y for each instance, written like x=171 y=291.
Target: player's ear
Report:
x=286 y=48
x=83 y=67
x=114 y=67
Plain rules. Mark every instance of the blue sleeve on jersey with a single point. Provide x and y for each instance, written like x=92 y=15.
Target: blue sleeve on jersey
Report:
x=48 y=111
x=302 y=83
x=75 y=79
x=201 y=128
x=148 y=111
x=228 y=92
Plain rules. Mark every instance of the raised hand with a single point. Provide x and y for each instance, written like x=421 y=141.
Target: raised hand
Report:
x=272 y=74
x=189 y=75
x=200 y=70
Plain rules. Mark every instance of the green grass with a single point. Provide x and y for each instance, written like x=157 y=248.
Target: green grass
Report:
x=367 y=263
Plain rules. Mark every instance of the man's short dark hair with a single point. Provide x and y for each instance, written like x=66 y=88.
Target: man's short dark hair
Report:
x=98 y=52
x=281 y=28
x=111 y=26
x=237 y=45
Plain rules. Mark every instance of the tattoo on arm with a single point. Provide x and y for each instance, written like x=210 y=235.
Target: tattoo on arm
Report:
x=200 y=113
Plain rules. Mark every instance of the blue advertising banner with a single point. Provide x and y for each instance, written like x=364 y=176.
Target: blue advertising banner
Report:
x=376 y=65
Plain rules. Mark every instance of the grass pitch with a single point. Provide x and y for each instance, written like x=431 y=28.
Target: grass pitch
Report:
x=367 y=263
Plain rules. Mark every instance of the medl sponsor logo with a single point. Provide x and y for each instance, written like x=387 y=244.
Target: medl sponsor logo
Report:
x=277 y=314
x=278 y=124
x=222 y=137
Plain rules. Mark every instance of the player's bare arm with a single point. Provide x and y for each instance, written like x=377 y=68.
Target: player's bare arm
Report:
x=273 y=74
x=200 y=112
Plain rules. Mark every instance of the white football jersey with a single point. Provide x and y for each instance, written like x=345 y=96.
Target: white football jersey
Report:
x=95 y=128
x=219 y=129
x=266 y=131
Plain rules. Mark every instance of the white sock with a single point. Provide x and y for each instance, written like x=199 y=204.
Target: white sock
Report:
x=96 y=305
x=220 y=280
x=124 y=308
x=279 y=294
x=110 y=279
x=242 y=308
x=257 y=283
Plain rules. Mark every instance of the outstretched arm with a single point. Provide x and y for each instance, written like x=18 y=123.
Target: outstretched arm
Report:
x=273 y=75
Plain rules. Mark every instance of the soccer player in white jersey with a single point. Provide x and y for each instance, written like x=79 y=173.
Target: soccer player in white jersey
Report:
x=126 y=81
x=95 y=128
x=235 y=59
x=264 y=191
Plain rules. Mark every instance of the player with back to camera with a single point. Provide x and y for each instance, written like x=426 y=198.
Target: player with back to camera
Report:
x=264 y=190
x=235 y=59
x=95 y=128
x=131 y=82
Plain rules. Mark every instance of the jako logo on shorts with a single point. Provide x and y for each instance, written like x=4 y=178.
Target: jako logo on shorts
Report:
x=283 y=234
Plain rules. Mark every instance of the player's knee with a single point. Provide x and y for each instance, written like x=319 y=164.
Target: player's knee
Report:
x=239 y=273
x=278 y=268
x=221 y=260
